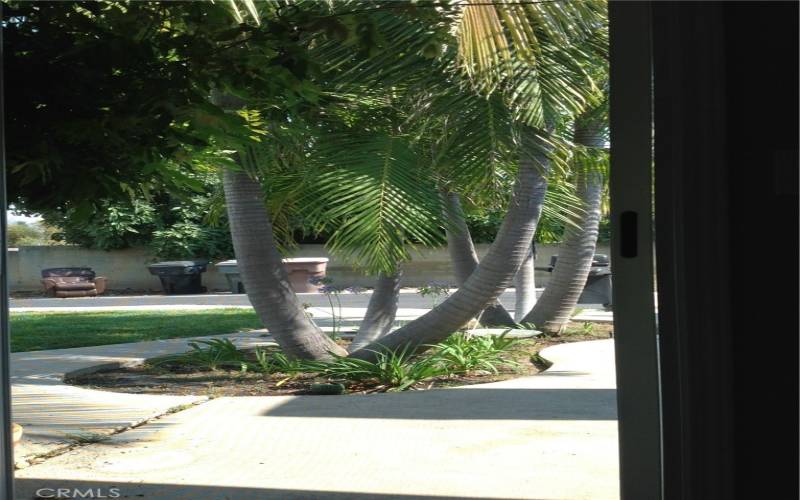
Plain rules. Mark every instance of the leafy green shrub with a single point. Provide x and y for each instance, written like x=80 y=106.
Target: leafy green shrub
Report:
x=24 y=234
x=483 y=227
x=191 y=238
x=463 y=353
x=114 y=226
x=398 y=369
x=499 y=343
x=172 y=227
x=277 y=362
x=263 y=361
x=435 y=289
x=208 y=354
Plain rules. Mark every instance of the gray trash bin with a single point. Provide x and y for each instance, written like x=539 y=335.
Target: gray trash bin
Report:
x=180 y=276
x=598 y=284
x=231 y=272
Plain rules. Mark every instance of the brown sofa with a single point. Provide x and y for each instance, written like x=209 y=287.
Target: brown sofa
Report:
x=72 y=282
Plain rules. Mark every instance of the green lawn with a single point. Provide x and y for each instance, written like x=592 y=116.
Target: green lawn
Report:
x=52 y=330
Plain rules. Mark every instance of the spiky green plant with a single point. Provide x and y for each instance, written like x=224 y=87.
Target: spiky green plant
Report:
x=464 y=353
x=397 y=369
x=207 y=354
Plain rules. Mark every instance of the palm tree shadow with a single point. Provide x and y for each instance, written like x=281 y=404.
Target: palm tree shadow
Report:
x=459 y=404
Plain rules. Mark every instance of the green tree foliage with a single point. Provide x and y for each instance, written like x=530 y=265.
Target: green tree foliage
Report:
x=24 y=234
x=110 y=100
x=92 y=104
x=484 y=223
x=117 y=225
x=169 y=226
x=132 y=109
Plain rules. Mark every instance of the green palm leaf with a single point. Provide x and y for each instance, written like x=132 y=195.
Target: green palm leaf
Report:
x=374 y=194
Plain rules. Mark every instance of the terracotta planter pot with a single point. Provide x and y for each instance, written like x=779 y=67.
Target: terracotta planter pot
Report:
x=302 y=269
x=16 y=433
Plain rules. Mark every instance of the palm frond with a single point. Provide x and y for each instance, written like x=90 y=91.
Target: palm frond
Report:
x=379 y=47
x=371 y=190
x=474 y=146
x=491 y=35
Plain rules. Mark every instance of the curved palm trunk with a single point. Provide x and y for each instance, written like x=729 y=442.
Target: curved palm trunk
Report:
x=464 y=258
x=492 y=276
x=525 y=286
x=381 y=311
x=554 y=308
x=264 y=275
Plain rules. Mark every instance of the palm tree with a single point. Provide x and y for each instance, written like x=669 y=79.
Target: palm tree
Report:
x=366 y=202
x=491 y=277
x=381 y=311
x=576 y=251
x=538 y=91
x=264 y=274
x=465 y=260
x=549 y=61
x=525 y=287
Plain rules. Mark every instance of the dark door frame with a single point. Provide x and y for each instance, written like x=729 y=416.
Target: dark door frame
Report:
x=631 y=194
x=693 y=246
x=6 y=446
x=726 y=183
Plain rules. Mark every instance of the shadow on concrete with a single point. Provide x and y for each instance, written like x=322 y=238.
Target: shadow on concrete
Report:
x=460 y=404
x=31 y=489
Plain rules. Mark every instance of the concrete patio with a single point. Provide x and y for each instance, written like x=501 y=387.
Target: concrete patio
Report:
x=548 y=436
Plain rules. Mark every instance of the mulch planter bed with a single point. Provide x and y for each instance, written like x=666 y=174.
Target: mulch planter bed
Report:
x=187 y=380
